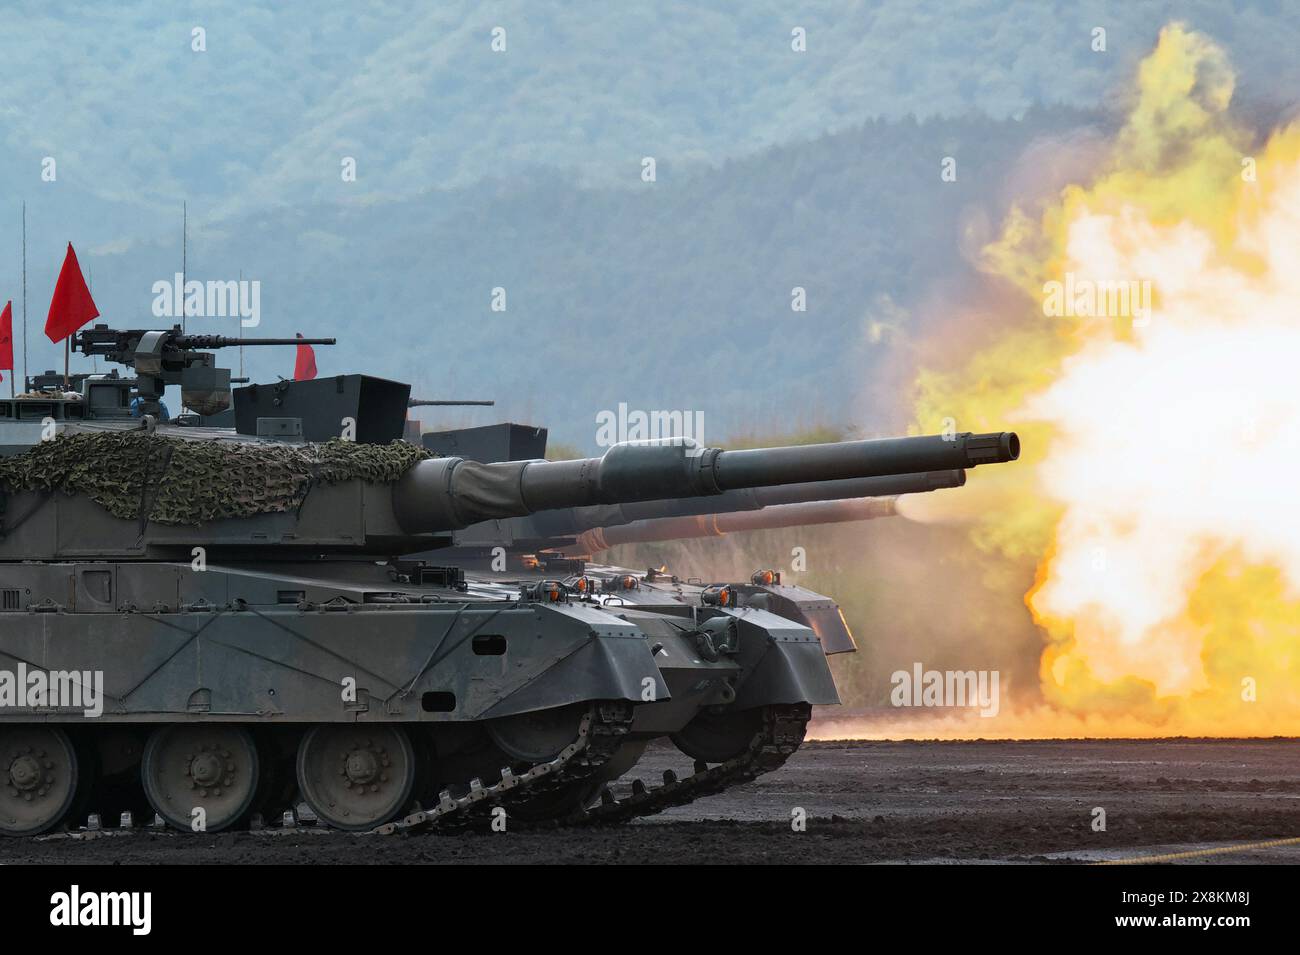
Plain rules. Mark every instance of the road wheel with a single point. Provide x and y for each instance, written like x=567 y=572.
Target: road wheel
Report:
x=718 y=737
x=201 y=778
x=42 y=774
x=539 y=736
x=355 y=777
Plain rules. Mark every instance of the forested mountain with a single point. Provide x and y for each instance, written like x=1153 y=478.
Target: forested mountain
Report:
x=522 y=169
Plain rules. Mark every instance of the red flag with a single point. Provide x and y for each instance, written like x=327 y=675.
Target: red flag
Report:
x=7 y=338
x=304 y=367
x=72 y=305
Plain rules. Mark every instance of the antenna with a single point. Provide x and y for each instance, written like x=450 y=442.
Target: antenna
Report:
x=24 y=295
x=185 y=234
x=90 y=284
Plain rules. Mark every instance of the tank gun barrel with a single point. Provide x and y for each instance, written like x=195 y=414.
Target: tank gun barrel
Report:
x=854 y=459
x=568 y=523
x=889 y=486
x=752 y=499
x=450 y=493
x=715 y=525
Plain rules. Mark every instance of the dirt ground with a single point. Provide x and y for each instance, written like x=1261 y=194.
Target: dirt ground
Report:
x=1199 y=801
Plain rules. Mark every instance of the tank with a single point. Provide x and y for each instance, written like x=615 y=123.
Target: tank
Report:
x=214 y=625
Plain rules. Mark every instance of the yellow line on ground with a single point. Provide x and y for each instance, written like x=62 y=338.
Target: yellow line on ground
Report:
x=1193 y=853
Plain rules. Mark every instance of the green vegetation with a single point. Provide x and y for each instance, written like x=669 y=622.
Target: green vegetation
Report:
x=562 y=452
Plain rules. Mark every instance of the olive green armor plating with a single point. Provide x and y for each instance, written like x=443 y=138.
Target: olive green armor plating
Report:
x=223 y=625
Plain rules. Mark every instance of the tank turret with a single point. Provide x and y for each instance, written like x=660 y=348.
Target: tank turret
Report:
x=132 y=492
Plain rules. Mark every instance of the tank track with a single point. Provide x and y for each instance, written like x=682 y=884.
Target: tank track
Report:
x=781 y=734
x=600 y=733
x=777 y=739
x=602 y=730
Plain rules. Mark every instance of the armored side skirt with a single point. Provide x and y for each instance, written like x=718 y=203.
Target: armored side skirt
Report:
x=389 y=663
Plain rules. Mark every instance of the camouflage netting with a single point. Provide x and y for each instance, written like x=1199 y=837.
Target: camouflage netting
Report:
x=182 y=481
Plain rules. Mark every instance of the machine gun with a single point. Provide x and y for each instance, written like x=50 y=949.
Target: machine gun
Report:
x=171 y=357
x=432 y=403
